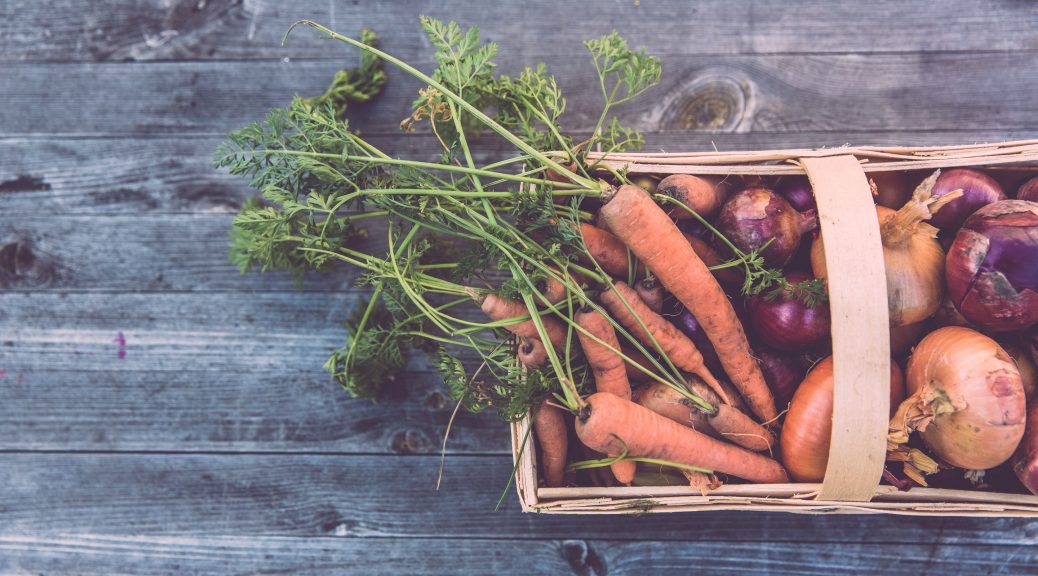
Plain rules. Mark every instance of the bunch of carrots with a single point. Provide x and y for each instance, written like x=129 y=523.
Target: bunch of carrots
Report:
x=612 y=309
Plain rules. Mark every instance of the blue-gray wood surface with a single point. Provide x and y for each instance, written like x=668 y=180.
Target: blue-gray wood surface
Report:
x=160 y=413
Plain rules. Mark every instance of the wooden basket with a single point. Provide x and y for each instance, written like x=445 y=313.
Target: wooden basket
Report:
x=860 y=336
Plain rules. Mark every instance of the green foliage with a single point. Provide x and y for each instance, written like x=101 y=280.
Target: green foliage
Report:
x=354 y=85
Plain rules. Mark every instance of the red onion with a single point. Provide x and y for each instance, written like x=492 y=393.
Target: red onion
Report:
x=691 y=327
x=1029 y=190
x=756 y=215
x=1025 y=460
x=992 y=267
x=978 y=190
x=1032 y=341
x=786 y=323
x=797 y=191
x=890 y=189
x=782 y=372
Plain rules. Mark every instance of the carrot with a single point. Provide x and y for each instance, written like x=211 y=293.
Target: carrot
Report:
x=608 y=251
x=550 y=429
x=608 y=368
x=634 y=374
x=532 y=352
x=610 y=424
x=666 y=401
x=673 y=344
x=710 y=257
x=732 y=424
x=552 y=290
x=498 y=308
x=650 y=291
x=645 y=228
x=704 y=194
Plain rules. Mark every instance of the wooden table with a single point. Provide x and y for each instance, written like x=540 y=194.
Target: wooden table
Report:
x=160 y=413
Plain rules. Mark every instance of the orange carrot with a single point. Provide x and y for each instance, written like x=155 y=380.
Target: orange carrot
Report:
x=645 y=228
x=673 y=344
x=609 y=424
x=608 y=251
x=734 y=425
x=549 y=427
x=633 y=373
x=498 y=308
x=608 y=368
x=710 y=257
x=665 y=401
x=532 y=352
x=650 y=291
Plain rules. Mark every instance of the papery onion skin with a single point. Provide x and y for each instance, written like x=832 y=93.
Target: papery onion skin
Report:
x=978 y=190
x=782 y=372
x=1025 y=460
x=786 y=323
x=798 y=192
x=753 y=216
x=992 y=267
x=1028 y=191
x=967 y=399
x=807 y=430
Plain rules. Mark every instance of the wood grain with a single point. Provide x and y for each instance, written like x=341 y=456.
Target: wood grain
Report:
x=391 y=497
x=229 y=555
x=79 y=30
x=724 y=93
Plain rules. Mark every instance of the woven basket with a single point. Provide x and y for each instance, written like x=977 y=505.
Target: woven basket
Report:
x=860 y=337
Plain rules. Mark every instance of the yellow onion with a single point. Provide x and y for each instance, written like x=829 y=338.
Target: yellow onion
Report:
x=809 y=422
x=913 y=258
x=967 y=400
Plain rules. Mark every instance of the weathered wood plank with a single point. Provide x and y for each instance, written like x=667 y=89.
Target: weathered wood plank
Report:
x=175 y=175
x=227 y=555
x=759 y=93
x=248 y=411
x=186 y=29
x=374 y=497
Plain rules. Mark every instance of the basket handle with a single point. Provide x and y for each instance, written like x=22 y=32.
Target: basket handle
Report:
x=860 y=327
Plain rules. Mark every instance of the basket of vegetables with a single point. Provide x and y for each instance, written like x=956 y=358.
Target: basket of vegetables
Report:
x=913 y=366
x=848 y=329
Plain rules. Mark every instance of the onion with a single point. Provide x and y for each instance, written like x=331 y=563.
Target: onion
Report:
x=785 y=322
x=704 y=195
x=978 y=190
x=890 y=189
x=1024 y=364
x=1025 y=461
x=1032 y=338
x=1028 y=191
x=798 y=192
x=913 y=259
x=691 y=327
x=902 y=338
x=967 y=400
x=756 y=215
x=782 y=372
x=993 y=266
x=949 y=315
x=809 y=422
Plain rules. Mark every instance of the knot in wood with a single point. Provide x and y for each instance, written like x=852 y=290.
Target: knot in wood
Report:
x=709 y=104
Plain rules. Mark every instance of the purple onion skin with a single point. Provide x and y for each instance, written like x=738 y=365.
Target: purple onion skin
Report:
x=755 y=215
x=691 y=327
x=1025 y=461
x=798 y=192
x=1028 y=191
x=783 y=374
x=787 y=324
x=978 y=190
x=992 y=267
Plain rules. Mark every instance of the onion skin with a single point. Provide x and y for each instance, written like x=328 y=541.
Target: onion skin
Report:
x=1025 y=460
x=991 y=267
x=1032 y=338
x=967 y=400
x=798 y=192
x=782 y=372
x=978 y=190
x=703 y=194
x=809 y=423
x=756 y=215
x=787 y=324
x=1028 y=191
x=890 y=189
x=1025 y=365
